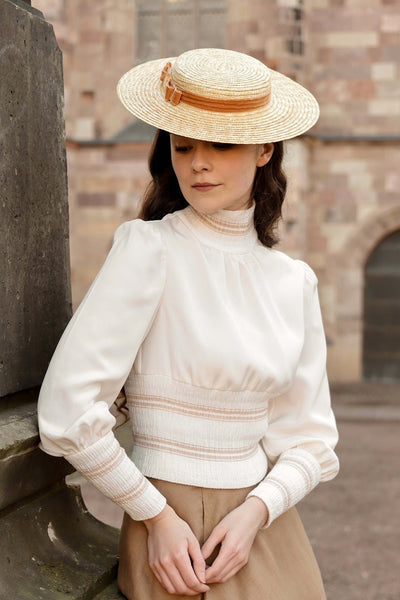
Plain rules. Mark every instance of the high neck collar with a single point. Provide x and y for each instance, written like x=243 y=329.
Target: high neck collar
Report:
x=228 y=230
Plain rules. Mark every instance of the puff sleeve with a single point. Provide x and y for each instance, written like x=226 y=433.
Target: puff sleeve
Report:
x=92 y=362
x=302 y=433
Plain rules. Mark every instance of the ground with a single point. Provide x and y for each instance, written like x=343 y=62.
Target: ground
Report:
x=353 y=521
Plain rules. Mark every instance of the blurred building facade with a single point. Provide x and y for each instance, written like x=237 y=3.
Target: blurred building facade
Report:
x=342 y=213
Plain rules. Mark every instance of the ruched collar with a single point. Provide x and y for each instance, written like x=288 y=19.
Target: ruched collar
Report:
x=229 y=230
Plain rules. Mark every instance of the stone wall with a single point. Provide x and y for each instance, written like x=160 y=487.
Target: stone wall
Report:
x=354 y=65
x=106 y=182
x=97 y=42
x=353 y=205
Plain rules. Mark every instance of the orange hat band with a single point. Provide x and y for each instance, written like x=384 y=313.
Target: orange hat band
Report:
x=174 y=95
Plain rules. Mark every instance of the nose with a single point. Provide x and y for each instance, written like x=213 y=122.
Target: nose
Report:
x=201 y=160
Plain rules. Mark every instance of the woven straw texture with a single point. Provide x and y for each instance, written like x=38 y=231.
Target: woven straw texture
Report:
x=223 y=75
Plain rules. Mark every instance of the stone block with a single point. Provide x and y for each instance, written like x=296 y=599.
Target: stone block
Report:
x=392 y=182
x=383 y=107
x=52 y=549
x=390 y=52
x=316 y=259
x=24 y=469
x=390 y=22
x=360 y=180
x=388 y=90
x=344 y=359
x=255 y=42
x=34 y=256
x=100 y=199
x=347 y=166
x=320 y=4
x=337 y=235
x=348 y=39
x=120 y=20
x=84 y=128
x=383 y=71
x=361 y=3
x=288 y=3
x=361 y=89
x=345 y=19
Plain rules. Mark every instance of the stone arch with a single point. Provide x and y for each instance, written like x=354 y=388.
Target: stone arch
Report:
x=348 y=266
x=357 y=249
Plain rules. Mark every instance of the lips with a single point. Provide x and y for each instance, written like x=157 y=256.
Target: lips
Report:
x=204 y=186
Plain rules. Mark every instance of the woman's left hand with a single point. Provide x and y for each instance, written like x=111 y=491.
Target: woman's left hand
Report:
x=235 y=533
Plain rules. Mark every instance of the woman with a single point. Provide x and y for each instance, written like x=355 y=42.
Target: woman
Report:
x=216 y=338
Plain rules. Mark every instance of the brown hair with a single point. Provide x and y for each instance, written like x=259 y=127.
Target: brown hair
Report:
x=163 y=194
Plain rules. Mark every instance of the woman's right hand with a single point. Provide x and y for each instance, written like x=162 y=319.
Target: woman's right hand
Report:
x=175 y=556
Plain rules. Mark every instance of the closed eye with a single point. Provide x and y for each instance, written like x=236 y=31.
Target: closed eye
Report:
x=182 y=148
x=220 y=146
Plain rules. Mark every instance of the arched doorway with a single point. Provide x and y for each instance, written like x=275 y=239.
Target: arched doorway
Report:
x=381 y=339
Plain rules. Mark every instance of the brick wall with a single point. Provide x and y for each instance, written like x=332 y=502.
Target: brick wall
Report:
x=354 y=65
x=344 y=186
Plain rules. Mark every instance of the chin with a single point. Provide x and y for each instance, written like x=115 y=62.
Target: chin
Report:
x=206 y=207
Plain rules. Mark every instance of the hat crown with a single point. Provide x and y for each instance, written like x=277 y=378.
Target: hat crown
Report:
x=221 y=74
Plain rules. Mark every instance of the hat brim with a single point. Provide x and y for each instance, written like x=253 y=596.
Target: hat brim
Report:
x=291 y=111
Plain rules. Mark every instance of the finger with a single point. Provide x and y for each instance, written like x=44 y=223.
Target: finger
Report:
x=169 y=577
x=162 y=577
x=188 y=575
x=227 y=574
x=225 y=570
x=215 y=538
x=172 y=582
x=198 y=562
x=226 y=561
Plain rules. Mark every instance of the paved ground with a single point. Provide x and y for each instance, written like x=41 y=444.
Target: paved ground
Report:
x=354 y=521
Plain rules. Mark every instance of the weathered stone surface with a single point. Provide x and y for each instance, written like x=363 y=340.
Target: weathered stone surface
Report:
x=34 y=257
x=52 y=549
x=24 y=469
x=110 y=593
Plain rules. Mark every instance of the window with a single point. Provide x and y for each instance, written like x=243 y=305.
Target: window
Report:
x=291 y=19
x=170 y=27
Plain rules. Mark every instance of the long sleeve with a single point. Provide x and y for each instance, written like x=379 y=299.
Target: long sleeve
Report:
x=302 y=432
x=92 y=362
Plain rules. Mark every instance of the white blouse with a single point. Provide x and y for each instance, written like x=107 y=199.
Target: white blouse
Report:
x=220 y=345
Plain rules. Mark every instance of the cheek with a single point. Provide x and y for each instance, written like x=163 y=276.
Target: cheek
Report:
x=244 y=174
x=180 y=164
x=173 y=162
x=177 y=170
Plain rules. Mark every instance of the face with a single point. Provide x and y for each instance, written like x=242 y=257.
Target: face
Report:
x=214 y=176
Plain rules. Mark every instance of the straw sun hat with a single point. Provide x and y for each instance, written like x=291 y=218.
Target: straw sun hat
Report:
x=218 y=96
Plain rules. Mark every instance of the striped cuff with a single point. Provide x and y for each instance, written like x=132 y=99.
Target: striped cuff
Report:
x=106 y=465
x=295 y=474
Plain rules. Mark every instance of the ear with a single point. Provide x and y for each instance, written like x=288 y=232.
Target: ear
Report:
x=265 y=153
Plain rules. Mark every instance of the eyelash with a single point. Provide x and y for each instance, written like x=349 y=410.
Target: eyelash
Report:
x=218 y=146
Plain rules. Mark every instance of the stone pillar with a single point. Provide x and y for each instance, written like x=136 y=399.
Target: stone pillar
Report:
x=50 y=547
x=34 y=254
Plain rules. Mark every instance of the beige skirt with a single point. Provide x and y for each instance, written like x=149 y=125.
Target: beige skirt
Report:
x=281 y=564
